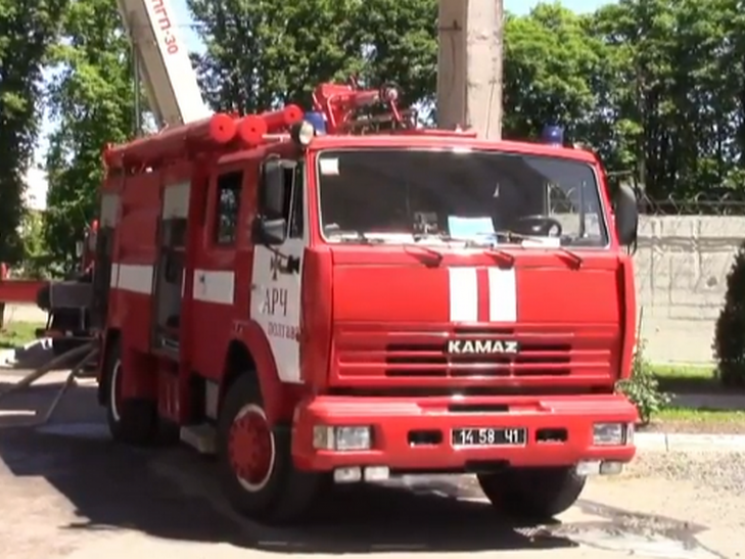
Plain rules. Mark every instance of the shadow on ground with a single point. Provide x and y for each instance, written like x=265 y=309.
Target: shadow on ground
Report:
x=29 y=406
x=172 y=494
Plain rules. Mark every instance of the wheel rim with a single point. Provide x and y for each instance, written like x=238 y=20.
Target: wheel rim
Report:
x=114 y=397
x=251 y=448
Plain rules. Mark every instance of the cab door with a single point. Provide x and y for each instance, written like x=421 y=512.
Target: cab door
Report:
x=213 y=271
x=280 y=235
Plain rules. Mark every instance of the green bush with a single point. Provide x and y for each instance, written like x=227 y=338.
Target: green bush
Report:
x=729 y=334
x=643 y=387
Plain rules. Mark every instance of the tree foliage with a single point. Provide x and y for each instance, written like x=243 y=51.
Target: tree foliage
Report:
x=262 y=53
x=729 y=333
x=26 y=29
x=92 y=99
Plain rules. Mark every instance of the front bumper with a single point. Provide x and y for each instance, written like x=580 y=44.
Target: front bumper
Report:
x=393 y=420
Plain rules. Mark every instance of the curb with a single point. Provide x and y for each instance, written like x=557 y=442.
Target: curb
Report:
x=680 y=442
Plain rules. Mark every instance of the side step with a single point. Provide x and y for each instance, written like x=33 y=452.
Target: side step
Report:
x=203 y=437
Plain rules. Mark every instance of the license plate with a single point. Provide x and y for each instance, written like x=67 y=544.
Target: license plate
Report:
x=489 y=436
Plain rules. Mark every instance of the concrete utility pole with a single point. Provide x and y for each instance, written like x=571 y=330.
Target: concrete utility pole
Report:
x=469 y=66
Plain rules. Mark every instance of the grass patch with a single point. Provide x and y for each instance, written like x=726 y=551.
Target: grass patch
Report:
x=701 y=415
x=683 y=379
x=691 y=379
x=16 y=334
x=674 y=419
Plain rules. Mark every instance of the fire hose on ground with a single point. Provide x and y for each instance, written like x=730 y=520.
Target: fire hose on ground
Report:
x=88 y=352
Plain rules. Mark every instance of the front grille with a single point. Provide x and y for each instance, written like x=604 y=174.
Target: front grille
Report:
x=534 y=357
x=569 y=352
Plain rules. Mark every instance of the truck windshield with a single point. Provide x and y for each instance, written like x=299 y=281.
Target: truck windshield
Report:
x=393 y=195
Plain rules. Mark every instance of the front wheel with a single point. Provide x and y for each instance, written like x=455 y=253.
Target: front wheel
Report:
x=255 y=460
x=533 y=492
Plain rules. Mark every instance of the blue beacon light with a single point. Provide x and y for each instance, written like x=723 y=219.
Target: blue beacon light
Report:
x=553 y=135
x=317 y=120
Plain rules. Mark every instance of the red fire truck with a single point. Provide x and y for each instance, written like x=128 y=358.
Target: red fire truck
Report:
x=339 y=295
x=313 y=302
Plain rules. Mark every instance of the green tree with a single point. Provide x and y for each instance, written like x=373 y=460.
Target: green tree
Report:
x=675 y=89
x=551 y=65
x=264 y=53
x=400 y=38
x=26 y=29
x=92 y=100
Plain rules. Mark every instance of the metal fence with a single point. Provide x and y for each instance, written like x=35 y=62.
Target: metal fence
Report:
x=714 y=201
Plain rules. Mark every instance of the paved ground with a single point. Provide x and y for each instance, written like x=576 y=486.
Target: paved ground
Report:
x=67 y=491
x=24 y=313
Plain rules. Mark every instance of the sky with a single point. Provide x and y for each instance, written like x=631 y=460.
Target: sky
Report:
x=36 y=180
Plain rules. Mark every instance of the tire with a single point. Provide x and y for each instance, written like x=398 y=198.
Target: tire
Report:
x=538 y=493
x=131 y=421
x=255 y=460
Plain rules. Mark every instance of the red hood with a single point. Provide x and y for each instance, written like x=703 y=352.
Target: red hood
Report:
x=395 y=310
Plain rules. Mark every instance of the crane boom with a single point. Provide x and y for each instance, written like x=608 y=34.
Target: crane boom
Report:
x=165 y=67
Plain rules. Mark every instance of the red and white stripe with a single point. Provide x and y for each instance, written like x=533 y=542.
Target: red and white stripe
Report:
x=476 y=294
x=483 y=295
x=210 y=286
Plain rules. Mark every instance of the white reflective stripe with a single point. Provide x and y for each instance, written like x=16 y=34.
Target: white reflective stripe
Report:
x=464 y=295
x=214 y=286
x=502 y=295
x=114 y=275
x=176 y=200
x=137 y=278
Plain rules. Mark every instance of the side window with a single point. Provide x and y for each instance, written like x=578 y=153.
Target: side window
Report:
x=297 y=216
x=227 y=207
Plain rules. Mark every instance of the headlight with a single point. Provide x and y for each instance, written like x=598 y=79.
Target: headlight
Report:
x=610 y=434
x=344 y=438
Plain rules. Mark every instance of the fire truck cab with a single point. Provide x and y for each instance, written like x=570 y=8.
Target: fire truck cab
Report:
x=314 y=303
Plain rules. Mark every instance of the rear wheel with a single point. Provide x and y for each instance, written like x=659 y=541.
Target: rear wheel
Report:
x=255 y=460
x=133 y=420
x=533 y=492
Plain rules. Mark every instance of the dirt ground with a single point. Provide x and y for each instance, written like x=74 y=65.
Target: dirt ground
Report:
x=67 y=491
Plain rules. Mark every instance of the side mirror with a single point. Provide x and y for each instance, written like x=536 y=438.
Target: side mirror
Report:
x=627 y=215
x=79 y=247
x=272 y=190
x=269 y=231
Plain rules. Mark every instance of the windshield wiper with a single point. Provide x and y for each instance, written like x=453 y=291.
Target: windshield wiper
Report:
x=578 y=260
x=435 y=256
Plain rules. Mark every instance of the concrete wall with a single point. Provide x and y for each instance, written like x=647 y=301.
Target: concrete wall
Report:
x=681 y=269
